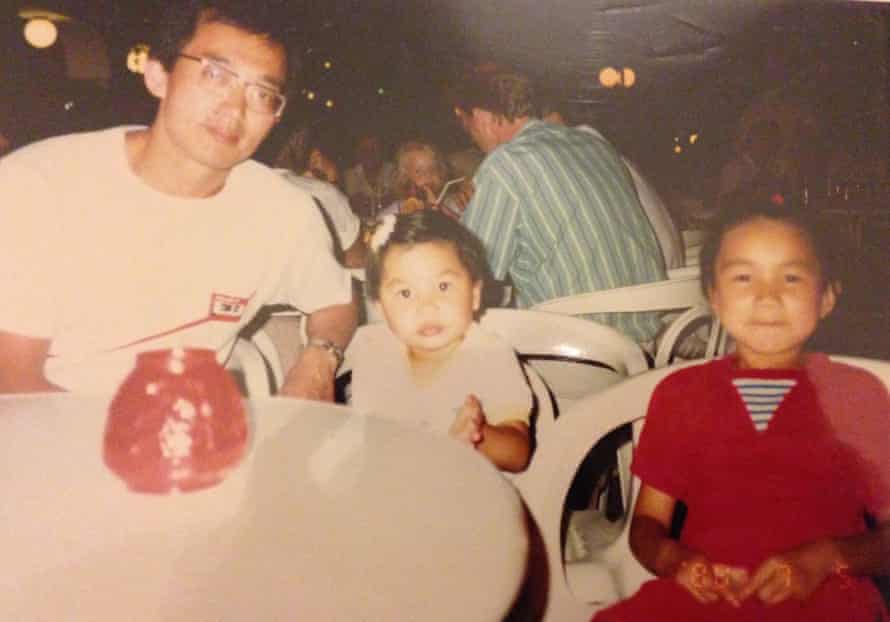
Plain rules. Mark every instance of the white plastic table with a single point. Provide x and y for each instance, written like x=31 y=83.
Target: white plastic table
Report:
x=331 y=516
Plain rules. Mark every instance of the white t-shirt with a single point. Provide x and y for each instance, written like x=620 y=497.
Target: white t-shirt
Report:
x=105 y=266
x=334 y=203
x=483 y=365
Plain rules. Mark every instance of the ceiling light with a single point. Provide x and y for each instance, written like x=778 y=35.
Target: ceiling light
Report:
x=40 y=32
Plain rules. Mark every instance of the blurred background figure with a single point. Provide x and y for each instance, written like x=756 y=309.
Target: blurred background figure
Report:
x=463 y=164
x=420 y=177
x=555 y=208
x=307 y=163
x=369 y=182
x=309 y=152
x=757 y=165
x=420 y=174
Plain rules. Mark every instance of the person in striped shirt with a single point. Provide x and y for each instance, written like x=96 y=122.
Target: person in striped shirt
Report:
x=779 y=455
x=556 y=209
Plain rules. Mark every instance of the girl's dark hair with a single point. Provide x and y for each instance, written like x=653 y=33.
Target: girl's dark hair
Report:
x=741 y=208
x=428 y=225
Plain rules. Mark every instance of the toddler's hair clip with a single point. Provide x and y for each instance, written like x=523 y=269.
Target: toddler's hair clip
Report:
x=382 y=231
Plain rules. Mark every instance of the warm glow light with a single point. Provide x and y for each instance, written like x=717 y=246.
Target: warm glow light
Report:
x=137 y=57
x=629 y=77
x=693 y=138
x=609 y=77
x=329 y=103
x=678 y=149
x=40 y=32
x=310 y=95
x=327 y=64
x=380 y=91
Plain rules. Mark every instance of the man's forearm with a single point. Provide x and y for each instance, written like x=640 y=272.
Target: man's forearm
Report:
x=336 y=324
x=312 y=376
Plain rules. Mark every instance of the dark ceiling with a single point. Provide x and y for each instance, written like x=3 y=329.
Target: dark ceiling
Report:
x=698 y=63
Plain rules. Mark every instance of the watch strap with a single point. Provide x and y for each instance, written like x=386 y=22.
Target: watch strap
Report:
x=330 y=346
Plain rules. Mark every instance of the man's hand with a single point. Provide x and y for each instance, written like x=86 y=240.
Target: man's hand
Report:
x=469 y=422
x=312 y=376
x=794 y=574
x=461 y=197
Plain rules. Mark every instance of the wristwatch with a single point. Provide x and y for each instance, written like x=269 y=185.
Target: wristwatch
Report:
x=335 y=350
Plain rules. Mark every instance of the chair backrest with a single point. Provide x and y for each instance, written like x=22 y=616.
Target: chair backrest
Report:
x=681 y=292
x=682 y=326
x=577 y=590
x=575 y=357
x=692 y=243
x=257 y=360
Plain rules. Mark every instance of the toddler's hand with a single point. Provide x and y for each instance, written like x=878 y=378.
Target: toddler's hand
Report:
x=469 y=421
x=794 y=574
x=709 y=582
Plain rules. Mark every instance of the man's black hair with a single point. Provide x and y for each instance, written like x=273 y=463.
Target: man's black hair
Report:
x=275 y=20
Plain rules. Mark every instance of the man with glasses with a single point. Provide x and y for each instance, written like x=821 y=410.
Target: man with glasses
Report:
x=133 y=239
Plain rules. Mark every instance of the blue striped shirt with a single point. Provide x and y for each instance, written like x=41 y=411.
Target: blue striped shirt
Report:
x=762 y=397
x=557 y=211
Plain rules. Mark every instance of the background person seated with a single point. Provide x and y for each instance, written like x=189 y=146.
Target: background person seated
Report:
x=556 y=210
x=305 y=162
x=369 y=182
x=421 y=173
x=660 y=218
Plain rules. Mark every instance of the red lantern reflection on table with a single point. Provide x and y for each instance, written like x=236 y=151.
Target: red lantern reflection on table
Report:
x=177 y=422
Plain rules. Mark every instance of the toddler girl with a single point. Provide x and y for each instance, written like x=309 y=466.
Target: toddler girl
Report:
x=779 y=456
x=430 y=363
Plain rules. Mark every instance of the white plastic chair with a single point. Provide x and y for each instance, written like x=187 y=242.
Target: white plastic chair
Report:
x=682 y=326
x=680 y=292
x=257 y=360
x=612 y=571
x=692 y=243
x=575 y=591
x=564 y=358
x=575 y=357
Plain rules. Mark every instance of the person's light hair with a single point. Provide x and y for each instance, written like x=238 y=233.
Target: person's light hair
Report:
x=402 y=183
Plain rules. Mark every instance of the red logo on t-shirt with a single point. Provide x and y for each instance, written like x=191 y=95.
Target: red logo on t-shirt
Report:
x=227 y=308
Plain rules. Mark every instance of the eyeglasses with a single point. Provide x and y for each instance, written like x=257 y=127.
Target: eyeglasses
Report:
x=218 y=78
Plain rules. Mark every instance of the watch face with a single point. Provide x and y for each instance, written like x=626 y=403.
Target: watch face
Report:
x=330 y=347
